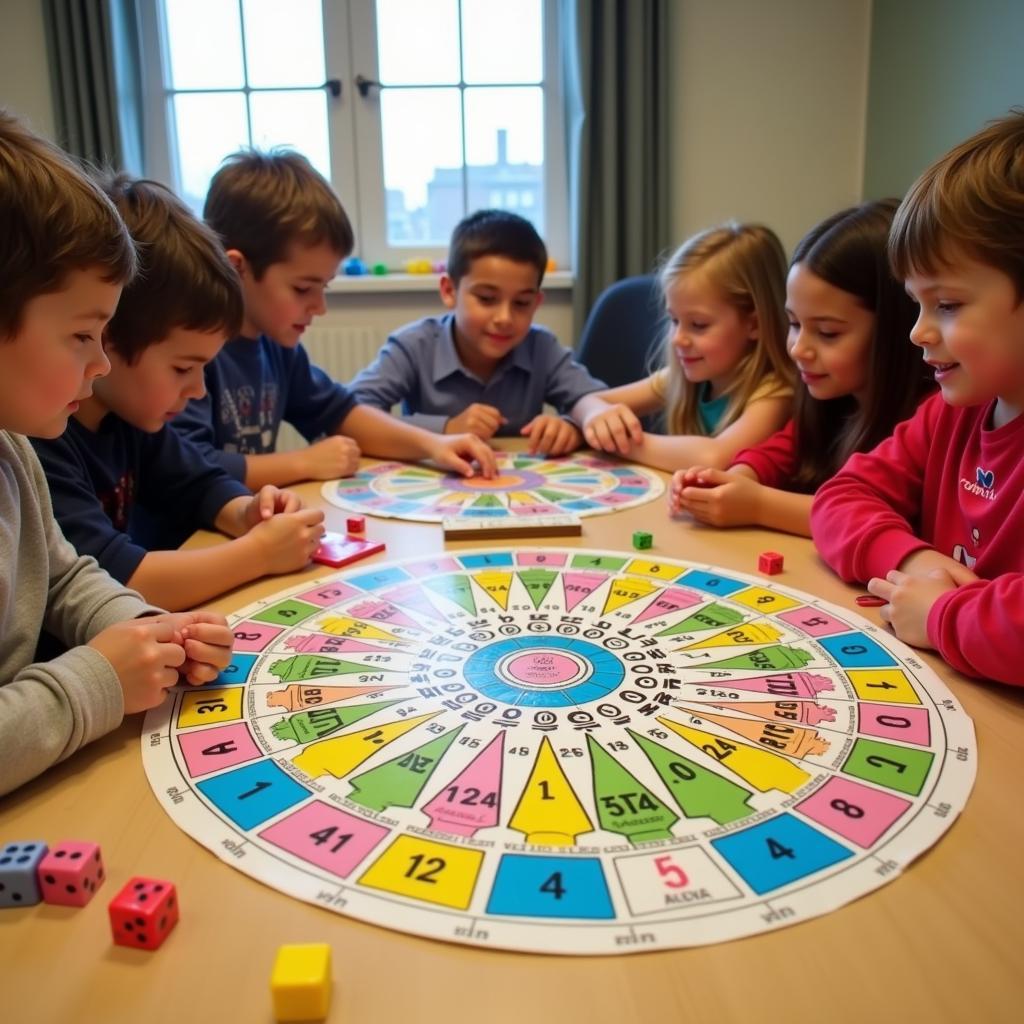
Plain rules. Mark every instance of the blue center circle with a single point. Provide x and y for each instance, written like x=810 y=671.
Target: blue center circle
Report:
x=487 y=670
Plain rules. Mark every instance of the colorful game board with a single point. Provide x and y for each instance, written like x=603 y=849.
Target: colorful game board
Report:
x=527 y=485
x=564 y=751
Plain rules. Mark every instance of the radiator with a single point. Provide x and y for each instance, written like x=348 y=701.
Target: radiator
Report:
x=340 y=351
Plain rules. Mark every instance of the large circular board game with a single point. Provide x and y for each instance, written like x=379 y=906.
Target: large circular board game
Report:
x=582 y=484
x=563 y=751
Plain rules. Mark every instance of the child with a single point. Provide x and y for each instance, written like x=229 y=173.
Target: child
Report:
x=933 y=516
x=286 y=233
x=64 y=258
x=484 y=367
x=119 y=452
x=849 y=330
x=726 y=383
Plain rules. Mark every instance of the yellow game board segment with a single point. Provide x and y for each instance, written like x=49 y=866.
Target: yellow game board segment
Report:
x=763 y=600
x=762 y=769
x=747 y=633
x=425 y=870
x=885 y=685
x=626 y=591
x=781 y=736
x=549 y=812
x=343 y=625
x=340 y=755
x=496 y=584
x=205 y=707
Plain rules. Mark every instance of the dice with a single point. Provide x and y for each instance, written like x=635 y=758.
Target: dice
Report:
x=300 y=984
x=143 y=913
x=70 y=873
x=642 y=540
x=355 y=526
x=770 y=563
x=19 y=862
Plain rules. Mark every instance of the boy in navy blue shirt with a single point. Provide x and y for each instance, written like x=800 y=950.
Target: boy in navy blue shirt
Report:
x=286 y=233
x=122 y=481
x=484 y=367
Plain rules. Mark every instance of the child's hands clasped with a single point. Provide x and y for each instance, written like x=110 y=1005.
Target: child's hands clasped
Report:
x=269 y=501
x=207 y=642
x=552 y=435
x=460 y=451
x=615 y=429
x=330 y=458
x=482 y=420
x=714 y=496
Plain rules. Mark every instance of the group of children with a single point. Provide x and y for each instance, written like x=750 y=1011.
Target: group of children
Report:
x=151 y=357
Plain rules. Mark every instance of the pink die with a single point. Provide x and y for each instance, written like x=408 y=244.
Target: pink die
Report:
x=769 y=562
x=70 y=873
x=143 y=913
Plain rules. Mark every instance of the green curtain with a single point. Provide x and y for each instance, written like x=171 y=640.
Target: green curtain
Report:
x=96 y=77
x=616 y=67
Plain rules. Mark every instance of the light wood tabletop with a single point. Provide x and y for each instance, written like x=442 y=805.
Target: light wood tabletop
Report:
x=942 y=942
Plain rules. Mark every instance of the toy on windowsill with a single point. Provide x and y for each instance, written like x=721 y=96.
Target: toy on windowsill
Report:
x=354 y=267
x=380 y=269
x=417 y=266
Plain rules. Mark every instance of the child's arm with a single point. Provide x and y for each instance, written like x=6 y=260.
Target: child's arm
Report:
x=757 y=421
x=386 y=437
x=610 y=419
x=326 y=459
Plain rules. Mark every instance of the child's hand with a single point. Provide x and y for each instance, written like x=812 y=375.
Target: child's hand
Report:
x=207 y=642
x=458 y=454
x=552 y=435
x=715 y=497
x=910 y=601
x=923 y=561
x=146 y=654
x=615 y=429
x=482 y=420
x=330 y=458
x=287 y=541
x=270 y=501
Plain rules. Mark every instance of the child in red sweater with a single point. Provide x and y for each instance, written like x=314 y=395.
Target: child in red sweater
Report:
x=933 y=516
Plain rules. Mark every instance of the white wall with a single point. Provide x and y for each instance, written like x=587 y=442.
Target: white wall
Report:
x=24 y=75
x=770 y=106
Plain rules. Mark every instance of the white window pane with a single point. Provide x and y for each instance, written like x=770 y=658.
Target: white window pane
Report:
x=502 y=42
x=417 y=42
x=294 y=119
x=284 y=43
x=505 y=149
x=208 y=126
x=422 y=138
x=205 y=44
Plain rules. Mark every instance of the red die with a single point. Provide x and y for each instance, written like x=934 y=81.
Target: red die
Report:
x=769 y=562
x=355 y=525
x=70 y=873
x=143 y=913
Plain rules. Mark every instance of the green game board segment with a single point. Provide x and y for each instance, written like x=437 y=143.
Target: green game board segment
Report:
x=699 y=792
x=537 y=582
x=598 y=562
x=548 y=494
x=487 y=501
x=624 y=805
x=770 y=658
x=318 y=666
x=455 y=588
x=524 y=463
x=286 y=613
x=430 y=474
x=712 y=616
x=320 y=722
x=890 y=766
x=417 y=495
x=399 y=782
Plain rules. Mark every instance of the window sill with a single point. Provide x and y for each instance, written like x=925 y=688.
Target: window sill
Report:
x=558 y=280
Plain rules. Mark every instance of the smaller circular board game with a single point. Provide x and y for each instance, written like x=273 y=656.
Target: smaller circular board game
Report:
x=582 y=484
x=563 y=751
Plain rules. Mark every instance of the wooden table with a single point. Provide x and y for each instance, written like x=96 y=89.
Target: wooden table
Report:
x=942 y=942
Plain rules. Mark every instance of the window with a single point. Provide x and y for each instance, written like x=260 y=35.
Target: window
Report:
x=418 y=111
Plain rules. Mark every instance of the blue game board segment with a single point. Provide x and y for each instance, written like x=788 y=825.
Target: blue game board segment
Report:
x=251 y=795
x=579 y=505
x=495 y=689
x=484 y=561
x=550 y=887
x=237 y=670
x=397 y=507
x=778 y=852
x=583 y=480
x=857 y=650
x=711 y=583
x=380 y=578
x=484 y=513
x=621 y=489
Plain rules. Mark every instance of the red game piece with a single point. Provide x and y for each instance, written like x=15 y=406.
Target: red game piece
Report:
x=70 y=873
x=143 y=913
x=355 y=526
x=870 y=601
x=337 y=550
x=769 y=562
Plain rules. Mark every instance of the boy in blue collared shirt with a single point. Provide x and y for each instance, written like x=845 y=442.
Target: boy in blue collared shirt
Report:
x=484 y=368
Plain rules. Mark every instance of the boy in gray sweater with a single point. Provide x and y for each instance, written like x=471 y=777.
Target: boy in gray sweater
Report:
x=64 y=256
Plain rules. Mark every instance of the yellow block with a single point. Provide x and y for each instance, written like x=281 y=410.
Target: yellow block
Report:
x=300 y=984
x=204 y=707
x=885 y=685
x=763 y=600
x=425 y=870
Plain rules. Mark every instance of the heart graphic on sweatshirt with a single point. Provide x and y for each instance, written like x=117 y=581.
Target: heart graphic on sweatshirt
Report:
x=985 y=477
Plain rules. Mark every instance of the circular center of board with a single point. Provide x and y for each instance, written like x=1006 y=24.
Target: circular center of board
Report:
x=563 y=751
